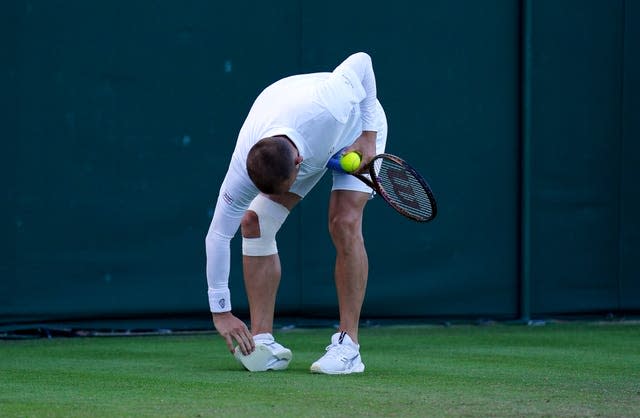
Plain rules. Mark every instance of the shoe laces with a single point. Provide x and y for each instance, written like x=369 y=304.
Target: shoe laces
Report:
x=274 y=345
x=271 y=343
x=340 y=351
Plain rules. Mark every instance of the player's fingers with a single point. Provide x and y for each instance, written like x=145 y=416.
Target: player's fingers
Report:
x=363 y=167
x=243 y=343
x=229 y=342
x=244 y=335
x=253 y=343
x=366 y=159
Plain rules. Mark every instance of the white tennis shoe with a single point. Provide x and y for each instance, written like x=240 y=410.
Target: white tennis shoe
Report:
x=268 y=355
x=342 y=357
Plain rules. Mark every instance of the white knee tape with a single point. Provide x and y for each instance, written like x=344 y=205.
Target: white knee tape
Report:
x=271 y=216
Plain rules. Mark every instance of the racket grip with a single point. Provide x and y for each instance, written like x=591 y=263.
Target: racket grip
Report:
x=334 y=162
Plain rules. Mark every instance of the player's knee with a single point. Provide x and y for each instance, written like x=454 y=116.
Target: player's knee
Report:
x=250 y=225
x=260 y=224
x=345 y=224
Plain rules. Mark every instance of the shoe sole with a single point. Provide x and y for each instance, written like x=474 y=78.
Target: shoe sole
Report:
x=258 y=360
x=315 y=368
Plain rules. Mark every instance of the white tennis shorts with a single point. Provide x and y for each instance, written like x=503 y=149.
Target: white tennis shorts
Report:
x=344 y=181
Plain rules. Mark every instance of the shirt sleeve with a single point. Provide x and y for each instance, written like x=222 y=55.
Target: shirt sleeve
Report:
x=236 y=193
x=358 y=70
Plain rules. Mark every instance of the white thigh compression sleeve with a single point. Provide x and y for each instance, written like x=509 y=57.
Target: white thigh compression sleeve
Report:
x=271 y=216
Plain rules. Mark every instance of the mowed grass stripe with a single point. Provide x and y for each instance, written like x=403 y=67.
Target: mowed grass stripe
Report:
x=572 y=369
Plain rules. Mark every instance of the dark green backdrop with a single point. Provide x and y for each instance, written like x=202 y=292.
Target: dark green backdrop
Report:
x=121 y=117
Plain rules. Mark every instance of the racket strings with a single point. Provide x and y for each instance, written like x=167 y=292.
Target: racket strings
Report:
x=403 y=189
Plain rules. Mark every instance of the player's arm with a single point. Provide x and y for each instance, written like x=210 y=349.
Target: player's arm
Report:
x=225 y=223
x=228 y=325
x=358 y=68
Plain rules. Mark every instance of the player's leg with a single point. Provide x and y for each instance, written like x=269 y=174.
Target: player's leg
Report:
x=260 y=260
x=262 y=278
x=352 y=266
x=346 y=207
x=261 y=265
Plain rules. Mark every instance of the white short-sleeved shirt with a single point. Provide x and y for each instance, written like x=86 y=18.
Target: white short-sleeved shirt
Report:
x=321 y=113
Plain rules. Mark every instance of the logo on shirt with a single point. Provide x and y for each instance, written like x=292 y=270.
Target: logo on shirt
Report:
x=227 y=198
x=347 y=81
x=222 y=303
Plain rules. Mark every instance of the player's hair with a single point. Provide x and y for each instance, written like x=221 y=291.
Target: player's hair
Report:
x=270 y=164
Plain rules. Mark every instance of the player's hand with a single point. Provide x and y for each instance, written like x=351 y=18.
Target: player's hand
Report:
x=232 y=329
x=365 y=145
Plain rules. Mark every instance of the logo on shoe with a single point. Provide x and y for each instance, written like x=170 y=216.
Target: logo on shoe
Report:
x=349 y=361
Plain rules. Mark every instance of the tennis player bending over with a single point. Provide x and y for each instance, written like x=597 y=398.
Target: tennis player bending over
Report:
x=293 y=128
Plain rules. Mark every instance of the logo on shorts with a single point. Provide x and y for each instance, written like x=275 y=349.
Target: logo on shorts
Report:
x=222 y=303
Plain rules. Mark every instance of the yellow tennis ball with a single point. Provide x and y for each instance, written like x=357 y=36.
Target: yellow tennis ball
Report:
x=350 y=161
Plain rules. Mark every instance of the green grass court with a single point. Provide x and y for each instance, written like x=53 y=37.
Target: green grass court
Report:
x=557 y=370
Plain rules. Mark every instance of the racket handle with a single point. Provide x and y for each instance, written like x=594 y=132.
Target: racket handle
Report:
x=334 y=162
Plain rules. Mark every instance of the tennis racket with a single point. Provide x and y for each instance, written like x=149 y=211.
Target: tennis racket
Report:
x=398 y=183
